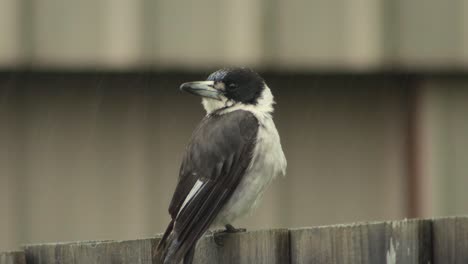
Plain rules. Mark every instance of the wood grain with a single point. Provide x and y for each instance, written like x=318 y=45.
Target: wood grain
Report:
x=103 y=252
x=263 y=246
x=404 y=242
x=450 y=240
x=384 y=242
x=15 y=257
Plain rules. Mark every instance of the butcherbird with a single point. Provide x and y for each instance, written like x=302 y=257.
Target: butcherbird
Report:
x=233 y=154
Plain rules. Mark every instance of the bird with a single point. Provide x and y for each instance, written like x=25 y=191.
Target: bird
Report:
x=232 y=156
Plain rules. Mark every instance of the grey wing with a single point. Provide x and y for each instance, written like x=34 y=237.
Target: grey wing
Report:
x=215 y=161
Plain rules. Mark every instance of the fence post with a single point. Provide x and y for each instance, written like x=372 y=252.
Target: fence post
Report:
x=451 y=240
x=435 y=241
x=15 y=257
x=105 y=252
x=383 y=242
x=263 y=246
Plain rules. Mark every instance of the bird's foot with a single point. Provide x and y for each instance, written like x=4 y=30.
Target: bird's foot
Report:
x=218 y=236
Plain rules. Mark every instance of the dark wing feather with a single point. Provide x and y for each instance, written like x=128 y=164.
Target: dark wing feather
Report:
x=218 y=154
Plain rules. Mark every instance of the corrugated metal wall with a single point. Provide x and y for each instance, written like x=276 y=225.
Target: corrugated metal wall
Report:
x=318 y=34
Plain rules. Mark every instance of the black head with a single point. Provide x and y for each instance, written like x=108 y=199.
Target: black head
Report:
x=239 y=84
x=232 y=84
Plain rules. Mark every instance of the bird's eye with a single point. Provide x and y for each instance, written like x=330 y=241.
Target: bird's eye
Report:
x=232 y=86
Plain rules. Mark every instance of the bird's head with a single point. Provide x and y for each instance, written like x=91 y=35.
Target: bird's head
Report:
x=231 y=87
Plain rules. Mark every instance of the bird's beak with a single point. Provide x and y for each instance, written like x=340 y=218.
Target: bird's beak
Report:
x=203 y=88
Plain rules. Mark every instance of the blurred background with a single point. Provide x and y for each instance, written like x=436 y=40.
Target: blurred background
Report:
x=372 y=109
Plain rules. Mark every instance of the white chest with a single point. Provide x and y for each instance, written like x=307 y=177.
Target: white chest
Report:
x=268 y=161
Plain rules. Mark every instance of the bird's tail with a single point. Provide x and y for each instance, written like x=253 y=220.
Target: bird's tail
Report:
x=164 y=243
x=169 y=250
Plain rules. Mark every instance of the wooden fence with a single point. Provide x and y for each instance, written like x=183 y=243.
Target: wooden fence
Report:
x=434 y=241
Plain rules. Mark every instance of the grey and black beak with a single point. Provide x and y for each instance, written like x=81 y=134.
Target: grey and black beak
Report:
x=202 y=88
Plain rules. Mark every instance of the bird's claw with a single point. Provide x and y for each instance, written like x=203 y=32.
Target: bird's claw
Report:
x=218 y=236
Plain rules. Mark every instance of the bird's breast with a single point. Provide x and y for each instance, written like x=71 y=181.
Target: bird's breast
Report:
x=267 y=162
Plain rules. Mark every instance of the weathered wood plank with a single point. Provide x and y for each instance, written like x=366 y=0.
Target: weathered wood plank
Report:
x=406 y=242
x=15 y=257
x=103 y=252
x=402 y=242
x=268 y=246
x=450 y=240
x=263 y=246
